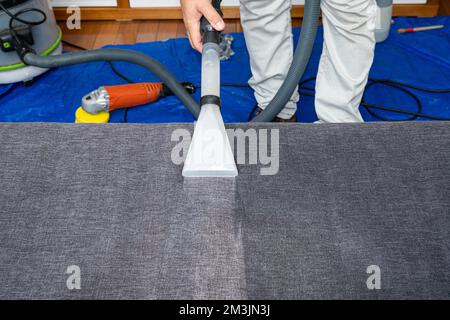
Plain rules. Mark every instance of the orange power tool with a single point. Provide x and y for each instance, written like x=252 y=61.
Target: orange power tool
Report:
x=110 y=98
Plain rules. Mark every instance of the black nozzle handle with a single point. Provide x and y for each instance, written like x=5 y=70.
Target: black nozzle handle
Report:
x=216 y=4
x=208 y=32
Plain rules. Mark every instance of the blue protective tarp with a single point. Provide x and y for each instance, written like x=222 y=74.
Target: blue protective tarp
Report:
x=421 y=59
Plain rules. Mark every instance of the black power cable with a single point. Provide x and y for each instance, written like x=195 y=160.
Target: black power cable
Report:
x=119 y=74
x=404 y=87
x=304 y=90
x=309 y=91
x=18 y=18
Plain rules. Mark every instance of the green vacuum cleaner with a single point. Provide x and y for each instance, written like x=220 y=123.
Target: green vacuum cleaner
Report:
x=32 y=22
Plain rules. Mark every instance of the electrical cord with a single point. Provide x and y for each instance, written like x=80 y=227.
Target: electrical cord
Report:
x=17 y=17
x=310 y=91
x=119 y=74
x=404 y=87
x=304 y=90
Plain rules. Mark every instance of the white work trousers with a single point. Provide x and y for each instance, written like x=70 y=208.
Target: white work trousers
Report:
x=349 y=34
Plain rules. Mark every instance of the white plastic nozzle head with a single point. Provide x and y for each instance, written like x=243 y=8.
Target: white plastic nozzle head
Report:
x=210 y=153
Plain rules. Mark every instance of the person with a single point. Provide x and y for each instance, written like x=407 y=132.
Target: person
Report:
x=348 y=51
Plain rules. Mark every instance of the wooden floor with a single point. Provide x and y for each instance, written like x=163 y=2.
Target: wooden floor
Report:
x=445 y=8
x=96 y=34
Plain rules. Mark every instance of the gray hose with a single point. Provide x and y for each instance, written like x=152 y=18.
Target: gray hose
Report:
x=296 y=71
x=384 y=3
x=299 y=63
x=117 y=55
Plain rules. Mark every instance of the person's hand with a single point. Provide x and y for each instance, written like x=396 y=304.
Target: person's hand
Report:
x=193 y=11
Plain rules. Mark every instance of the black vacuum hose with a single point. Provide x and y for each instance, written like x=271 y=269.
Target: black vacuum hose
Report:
x=296 y=71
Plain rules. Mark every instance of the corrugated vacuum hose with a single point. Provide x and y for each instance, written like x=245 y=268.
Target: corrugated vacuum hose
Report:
x=299 y=63
x=135 y=57
x=296 y=71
